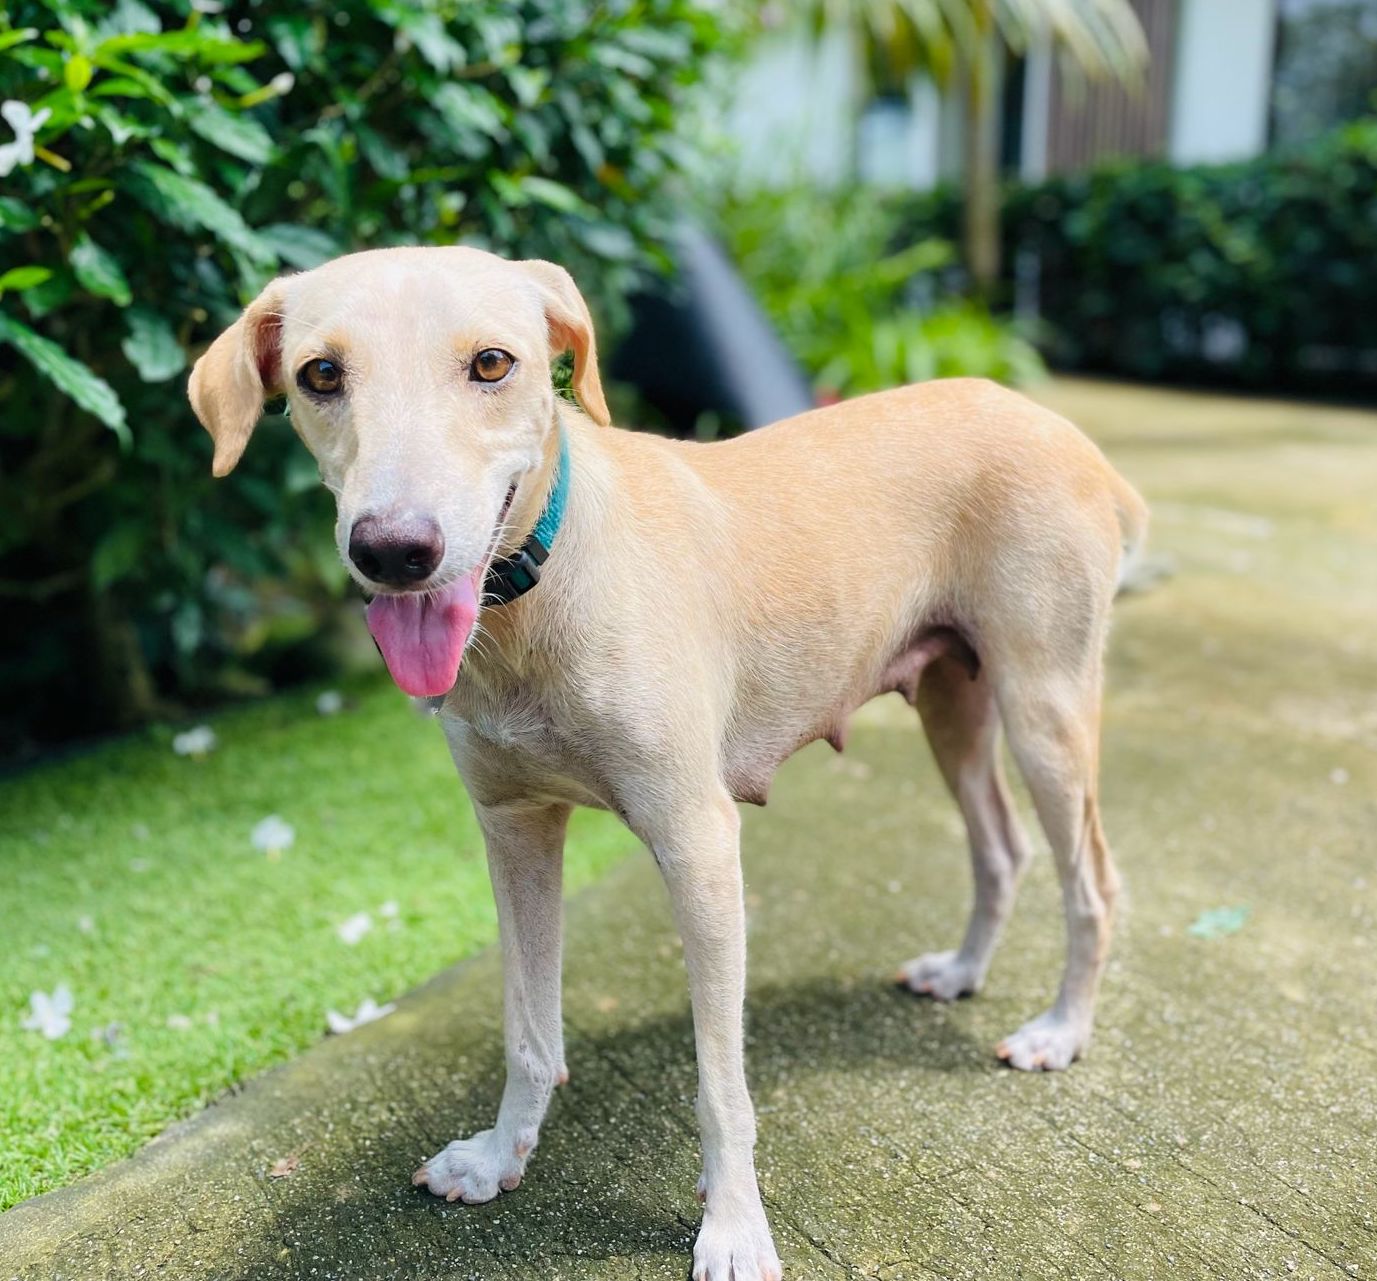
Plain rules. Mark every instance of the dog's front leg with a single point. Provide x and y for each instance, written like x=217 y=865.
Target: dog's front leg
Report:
x=525 y=859
x=699 y=855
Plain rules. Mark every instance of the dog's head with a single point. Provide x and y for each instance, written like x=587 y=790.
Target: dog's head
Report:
x=420 y=381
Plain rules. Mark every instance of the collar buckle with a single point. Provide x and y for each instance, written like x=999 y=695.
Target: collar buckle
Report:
x=515 y=575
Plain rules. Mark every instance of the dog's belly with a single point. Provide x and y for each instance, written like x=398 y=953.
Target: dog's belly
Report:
x=757 y=745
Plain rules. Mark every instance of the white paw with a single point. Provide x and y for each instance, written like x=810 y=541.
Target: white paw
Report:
x=1048 y=1043
x=477 y=1169
x=941 y=975
x=735 y=1246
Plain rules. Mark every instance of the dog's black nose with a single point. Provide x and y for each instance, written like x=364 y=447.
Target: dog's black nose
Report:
x=399 y=552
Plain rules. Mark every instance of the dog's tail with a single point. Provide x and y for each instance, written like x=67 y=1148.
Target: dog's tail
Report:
x=1133 y=527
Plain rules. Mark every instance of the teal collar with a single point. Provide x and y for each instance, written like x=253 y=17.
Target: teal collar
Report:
x=515 y=575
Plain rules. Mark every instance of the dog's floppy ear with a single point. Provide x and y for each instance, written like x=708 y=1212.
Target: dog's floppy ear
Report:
x=239 y=371
x=571 y=329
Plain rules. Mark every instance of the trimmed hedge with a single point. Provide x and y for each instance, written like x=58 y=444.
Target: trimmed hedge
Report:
x=1260 y=274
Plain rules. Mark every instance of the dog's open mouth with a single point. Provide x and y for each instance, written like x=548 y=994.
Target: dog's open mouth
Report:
x=422 y=634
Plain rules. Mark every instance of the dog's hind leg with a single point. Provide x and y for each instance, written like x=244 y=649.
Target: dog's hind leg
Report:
x=1051 y=710
x=962 y=726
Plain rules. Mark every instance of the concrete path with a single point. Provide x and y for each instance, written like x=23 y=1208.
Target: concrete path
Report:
x=1223 y=1126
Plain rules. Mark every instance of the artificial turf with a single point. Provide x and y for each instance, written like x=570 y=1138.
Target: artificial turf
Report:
x=195 y=959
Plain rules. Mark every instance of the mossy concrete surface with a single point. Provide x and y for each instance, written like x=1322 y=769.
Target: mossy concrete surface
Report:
x=1224 y=1124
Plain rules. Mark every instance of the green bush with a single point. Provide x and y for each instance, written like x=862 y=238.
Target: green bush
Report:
x=858 y=301
x=1257 y=274
x=182 y=159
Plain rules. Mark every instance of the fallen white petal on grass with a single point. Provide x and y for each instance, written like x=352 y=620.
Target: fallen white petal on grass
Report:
x=273 y=834
x=389 y=909
x=86 y=924
x=196 y=742
x=353 y=929
x=50 y=1012
x=178 y=1022
x=369 y=1011
x=330 y=702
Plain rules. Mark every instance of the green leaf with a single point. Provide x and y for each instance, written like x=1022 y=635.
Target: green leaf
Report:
x=117 y=553
x=19 y=278
x=99 y=271
x=466 y=109
x=50 y=295
x=151 y=345
x=23 y=35
x=151 y=85
x=78 y=381
x=77 y=73
x=556 y=196
x=129 y=17
x=387 y=159
x=303 y=247
x=119 y=126
x=175 y=155
x=120 y=87
x=191 y=43
x=239 y=135
x=15 y=215
x=190 y=205
x=427 y=32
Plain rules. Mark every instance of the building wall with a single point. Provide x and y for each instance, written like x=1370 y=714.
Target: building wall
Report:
x=799 y=112
x=793 y=114
x=1223 y=80
x=1092 y=121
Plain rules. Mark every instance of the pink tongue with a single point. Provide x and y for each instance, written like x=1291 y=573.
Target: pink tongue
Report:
x=422 y=637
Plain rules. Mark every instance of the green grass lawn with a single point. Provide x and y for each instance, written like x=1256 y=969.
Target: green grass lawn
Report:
x=196 y=960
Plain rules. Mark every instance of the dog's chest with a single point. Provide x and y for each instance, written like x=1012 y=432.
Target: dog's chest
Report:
x=512 y=741
x=509 y=717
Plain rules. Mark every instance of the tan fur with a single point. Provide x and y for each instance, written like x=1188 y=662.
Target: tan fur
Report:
x=707 y=610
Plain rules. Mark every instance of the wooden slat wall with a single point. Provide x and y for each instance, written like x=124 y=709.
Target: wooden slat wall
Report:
x=1093 y=122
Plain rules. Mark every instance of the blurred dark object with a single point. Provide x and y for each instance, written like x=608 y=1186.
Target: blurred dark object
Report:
x=1256 y=275
x=701 y=346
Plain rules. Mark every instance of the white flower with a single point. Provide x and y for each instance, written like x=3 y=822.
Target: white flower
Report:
x=26 y=123
x=369 y=1011
x=50 y=1014
x=86 y=924
x=178 y=1022
x=194 y=742
x=352 y=930
x=389 y=909
x=272 y=835
x=330 y=702
x=282 y=82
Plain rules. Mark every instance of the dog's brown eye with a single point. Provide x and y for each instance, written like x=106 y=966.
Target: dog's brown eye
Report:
x=492 y=365
x=323 y=377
